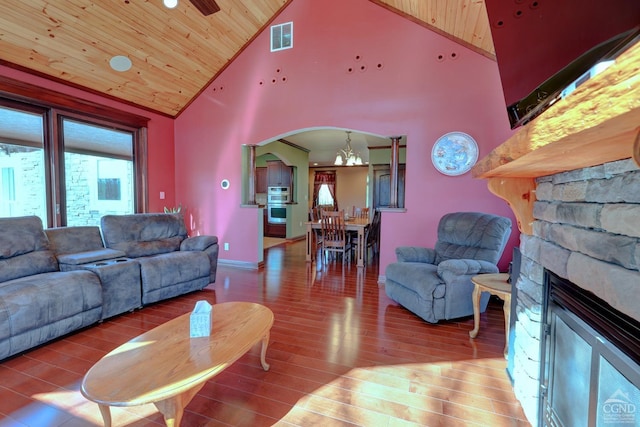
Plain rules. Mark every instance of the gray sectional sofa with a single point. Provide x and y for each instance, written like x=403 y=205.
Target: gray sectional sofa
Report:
x=55 y=281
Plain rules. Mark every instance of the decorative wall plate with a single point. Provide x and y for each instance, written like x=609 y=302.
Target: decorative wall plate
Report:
x=454 y=153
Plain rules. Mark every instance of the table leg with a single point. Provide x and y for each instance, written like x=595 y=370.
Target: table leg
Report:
x=263 y=353
x=507 y=320
x=310 y=243
x=172 y=408
x=476 y=311
x=361 y=247
x=106 y=414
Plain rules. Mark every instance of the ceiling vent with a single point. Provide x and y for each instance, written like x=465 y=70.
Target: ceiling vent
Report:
x=281 y=36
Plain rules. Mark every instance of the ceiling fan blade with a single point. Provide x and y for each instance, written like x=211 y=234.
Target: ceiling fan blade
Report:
x=206 y=7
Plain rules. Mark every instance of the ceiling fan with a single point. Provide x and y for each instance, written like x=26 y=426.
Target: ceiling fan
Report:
x=206 y=7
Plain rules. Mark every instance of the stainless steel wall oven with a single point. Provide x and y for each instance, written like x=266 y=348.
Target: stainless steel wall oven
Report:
x=277 y=200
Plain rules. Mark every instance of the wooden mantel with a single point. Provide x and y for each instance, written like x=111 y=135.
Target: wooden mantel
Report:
x=598 y=123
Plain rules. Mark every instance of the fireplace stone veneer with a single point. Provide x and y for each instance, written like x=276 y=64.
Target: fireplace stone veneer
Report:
x=587 y=230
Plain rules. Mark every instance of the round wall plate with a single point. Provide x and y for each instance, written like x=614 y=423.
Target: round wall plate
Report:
x=454 y=153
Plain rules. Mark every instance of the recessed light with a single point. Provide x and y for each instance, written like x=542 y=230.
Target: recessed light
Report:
x=170 y=3
x=120 y=63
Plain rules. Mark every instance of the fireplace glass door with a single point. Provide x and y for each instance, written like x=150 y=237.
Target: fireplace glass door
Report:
x=586 y=379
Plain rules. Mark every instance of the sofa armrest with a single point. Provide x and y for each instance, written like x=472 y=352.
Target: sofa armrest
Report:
x=454 y=268
x=89 y=256
x=207 y=244
x=198 y=243
x=415 y=254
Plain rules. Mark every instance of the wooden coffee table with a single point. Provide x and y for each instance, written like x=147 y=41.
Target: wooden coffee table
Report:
x=167 y=368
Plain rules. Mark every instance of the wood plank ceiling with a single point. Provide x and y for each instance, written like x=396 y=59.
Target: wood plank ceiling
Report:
x=176 y=52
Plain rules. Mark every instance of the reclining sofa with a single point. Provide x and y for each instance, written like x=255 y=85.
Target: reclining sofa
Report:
x=58 y=280
x=38 y=302
x=171 y=263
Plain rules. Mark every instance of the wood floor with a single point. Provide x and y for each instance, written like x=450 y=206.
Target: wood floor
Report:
x=341 y=354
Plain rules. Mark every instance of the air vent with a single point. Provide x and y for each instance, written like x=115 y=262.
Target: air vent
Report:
x=282 y=36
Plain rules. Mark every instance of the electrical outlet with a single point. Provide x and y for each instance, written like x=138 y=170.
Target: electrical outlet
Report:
x=226 y=246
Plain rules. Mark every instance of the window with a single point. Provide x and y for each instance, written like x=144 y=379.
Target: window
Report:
x=98 y=171
x=282 y=36
x=324 y=190
x=90 y=166
x=109 y=189
x=22 y=161
x=324 y=196
x=7 y=192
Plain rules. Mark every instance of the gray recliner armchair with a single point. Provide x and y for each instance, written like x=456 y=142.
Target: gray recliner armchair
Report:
x=435 y=284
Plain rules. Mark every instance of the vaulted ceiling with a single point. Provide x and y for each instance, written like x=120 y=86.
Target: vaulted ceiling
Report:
x=175 y=52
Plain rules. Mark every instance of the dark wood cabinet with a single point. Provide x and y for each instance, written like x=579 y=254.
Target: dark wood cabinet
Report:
x=261 y=180
x=382 y=186
x=278 y=174
x=276 y=230
x=273 y=230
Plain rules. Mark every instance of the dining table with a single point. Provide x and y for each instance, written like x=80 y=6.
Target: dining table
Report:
x=359 y=225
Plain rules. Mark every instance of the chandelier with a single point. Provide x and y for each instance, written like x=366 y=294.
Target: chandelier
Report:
x=347 y=156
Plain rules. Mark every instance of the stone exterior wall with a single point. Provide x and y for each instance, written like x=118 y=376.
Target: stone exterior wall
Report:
x=28 y=172
x=83 y=206
x=587 y=230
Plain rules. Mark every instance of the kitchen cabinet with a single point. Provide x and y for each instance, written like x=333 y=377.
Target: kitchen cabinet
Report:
x=261 y=180
x=278 y=174
x=276 y=230
x=273 y=230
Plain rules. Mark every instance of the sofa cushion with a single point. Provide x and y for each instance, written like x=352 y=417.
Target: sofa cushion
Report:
x=18 y=243
x=140 y=235
x=30 y=302
x=27 y=265
x=137 y=249
x=472 y=235
x=168 y=269
x=420 y=277
x=198 y=243
x=21 y=235
x=71 y=240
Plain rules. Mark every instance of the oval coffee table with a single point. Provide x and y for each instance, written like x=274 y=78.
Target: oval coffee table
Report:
x=166 y=367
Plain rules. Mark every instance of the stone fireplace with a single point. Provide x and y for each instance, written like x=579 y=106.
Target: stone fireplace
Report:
x=572 y=179
x=586 y=229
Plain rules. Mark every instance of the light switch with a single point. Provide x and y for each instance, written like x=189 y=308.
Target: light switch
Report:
x=162 y=195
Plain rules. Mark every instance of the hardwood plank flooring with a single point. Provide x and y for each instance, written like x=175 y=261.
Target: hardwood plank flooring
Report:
x=341 y=354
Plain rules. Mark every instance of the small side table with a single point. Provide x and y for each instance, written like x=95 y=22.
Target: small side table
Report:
x=495 y=284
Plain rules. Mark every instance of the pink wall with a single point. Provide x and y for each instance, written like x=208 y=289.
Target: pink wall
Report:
x=411 y=93
x=160 y=137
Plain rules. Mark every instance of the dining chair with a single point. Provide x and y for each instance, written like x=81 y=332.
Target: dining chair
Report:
x=314 y=215
x=334 y=236
x=360 y=212
x=371 y=236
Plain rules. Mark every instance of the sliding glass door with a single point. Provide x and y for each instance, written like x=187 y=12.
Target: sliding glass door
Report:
x=66 y=168
x=22 y=163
